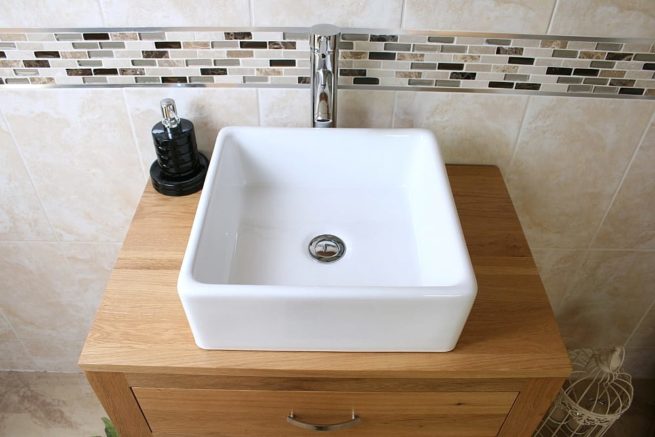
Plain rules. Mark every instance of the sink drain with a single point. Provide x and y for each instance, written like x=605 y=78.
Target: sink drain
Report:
x=327 y=248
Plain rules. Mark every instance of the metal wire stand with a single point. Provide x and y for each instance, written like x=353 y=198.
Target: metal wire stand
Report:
x=593 y=398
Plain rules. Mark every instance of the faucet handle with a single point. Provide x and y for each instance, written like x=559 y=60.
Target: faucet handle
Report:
x=325 y=29
x=324 y=38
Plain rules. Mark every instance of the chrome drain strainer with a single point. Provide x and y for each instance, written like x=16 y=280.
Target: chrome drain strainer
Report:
x=327 y=248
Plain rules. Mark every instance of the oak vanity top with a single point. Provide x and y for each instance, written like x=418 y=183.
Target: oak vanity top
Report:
x=140 y=326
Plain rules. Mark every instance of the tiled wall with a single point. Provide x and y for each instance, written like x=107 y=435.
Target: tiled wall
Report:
x=579 y=170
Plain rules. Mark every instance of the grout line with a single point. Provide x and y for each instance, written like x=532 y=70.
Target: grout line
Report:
x=402 y=13
x=552 y=15
x=575 y=276
x=251 y=7
x=651 y=121
x=20 y=340
x=72 y=273
x=102 y=12
x=515 y=148
x=259 y=109
x=651 y=307
x=30 y=177
x=614 y=249
x=393 y=110
x=134 y=137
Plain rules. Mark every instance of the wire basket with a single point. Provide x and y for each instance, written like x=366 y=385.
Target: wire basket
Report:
x=597 y=393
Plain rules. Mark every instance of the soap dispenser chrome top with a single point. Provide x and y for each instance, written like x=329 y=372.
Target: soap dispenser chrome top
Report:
x=323 y=41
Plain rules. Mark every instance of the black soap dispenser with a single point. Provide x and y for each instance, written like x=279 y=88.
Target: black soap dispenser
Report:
x=179 y=169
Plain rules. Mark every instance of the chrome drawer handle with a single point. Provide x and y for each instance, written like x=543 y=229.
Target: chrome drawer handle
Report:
x=323 y=427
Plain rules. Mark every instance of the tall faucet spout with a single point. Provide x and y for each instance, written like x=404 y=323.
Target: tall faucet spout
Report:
x=324 y=41
x=323 y=112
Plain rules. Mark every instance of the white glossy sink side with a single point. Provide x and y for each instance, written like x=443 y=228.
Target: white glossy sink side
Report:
x=248 y=282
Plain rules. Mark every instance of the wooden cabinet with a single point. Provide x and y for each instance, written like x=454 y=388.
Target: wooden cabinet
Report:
x=142 y=362
x=173 y=411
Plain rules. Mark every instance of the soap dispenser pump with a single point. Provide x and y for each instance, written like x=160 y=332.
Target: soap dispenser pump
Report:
x=179 y=169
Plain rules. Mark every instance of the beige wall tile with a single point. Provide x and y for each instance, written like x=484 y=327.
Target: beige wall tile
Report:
x=50 y=13
x=306 y=13
x=519 y=16
x=640 y=363
x=570 y=158
x=13 y=355
x=52 y=404
x=608 y=18
x=90 y=265
x=630 y=222
x=612 y=292
x=21 y=214
x=639 y=419
x=284 y=107
x=470 y=128
x=158 y=13
x=50 y=295
x=644 y=336
x=369 y=109
x=33 y=278
x=79 y=150
x=208 y=109
x=558 y=268
x=8 y=380
x=57 y=352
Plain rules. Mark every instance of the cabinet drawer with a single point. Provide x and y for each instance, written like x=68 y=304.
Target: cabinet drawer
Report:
x=236 y=413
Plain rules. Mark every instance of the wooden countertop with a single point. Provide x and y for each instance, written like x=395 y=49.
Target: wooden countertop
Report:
x=140 y=326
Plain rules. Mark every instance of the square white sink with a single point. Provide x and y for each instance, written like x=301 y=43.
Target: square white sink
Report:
x=248 y=281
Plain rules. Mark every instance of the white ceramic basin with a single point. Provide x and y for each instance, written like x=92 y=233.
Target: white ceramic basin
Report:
x=405 y=282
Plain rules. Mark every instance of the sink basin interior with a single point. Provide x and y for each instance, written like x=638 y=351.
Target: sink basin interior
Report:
x=381 y=191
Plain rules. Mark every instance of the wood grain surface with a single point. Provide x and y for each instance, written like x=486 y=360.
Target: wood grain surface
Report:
x=140 y=326
x=263 y=413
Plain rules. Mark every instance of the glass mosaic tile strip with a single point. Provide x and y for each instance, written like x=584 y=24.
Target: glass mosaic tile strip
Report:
x=530 y=64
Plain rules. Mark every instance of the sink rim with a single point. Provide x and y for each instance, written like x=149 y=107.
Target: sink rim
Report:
x=189 y=285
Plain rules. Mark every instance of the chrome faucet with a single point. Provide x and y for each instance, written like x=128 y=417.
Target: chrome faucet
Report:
x=324 y=55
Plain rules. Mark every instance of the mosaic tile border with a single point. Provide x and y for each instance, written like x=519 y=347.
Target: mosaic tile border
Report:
x=436 y=61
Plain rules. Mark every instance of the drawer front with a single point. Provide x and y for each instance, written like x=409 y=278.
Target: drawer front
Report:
x=236 y=413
